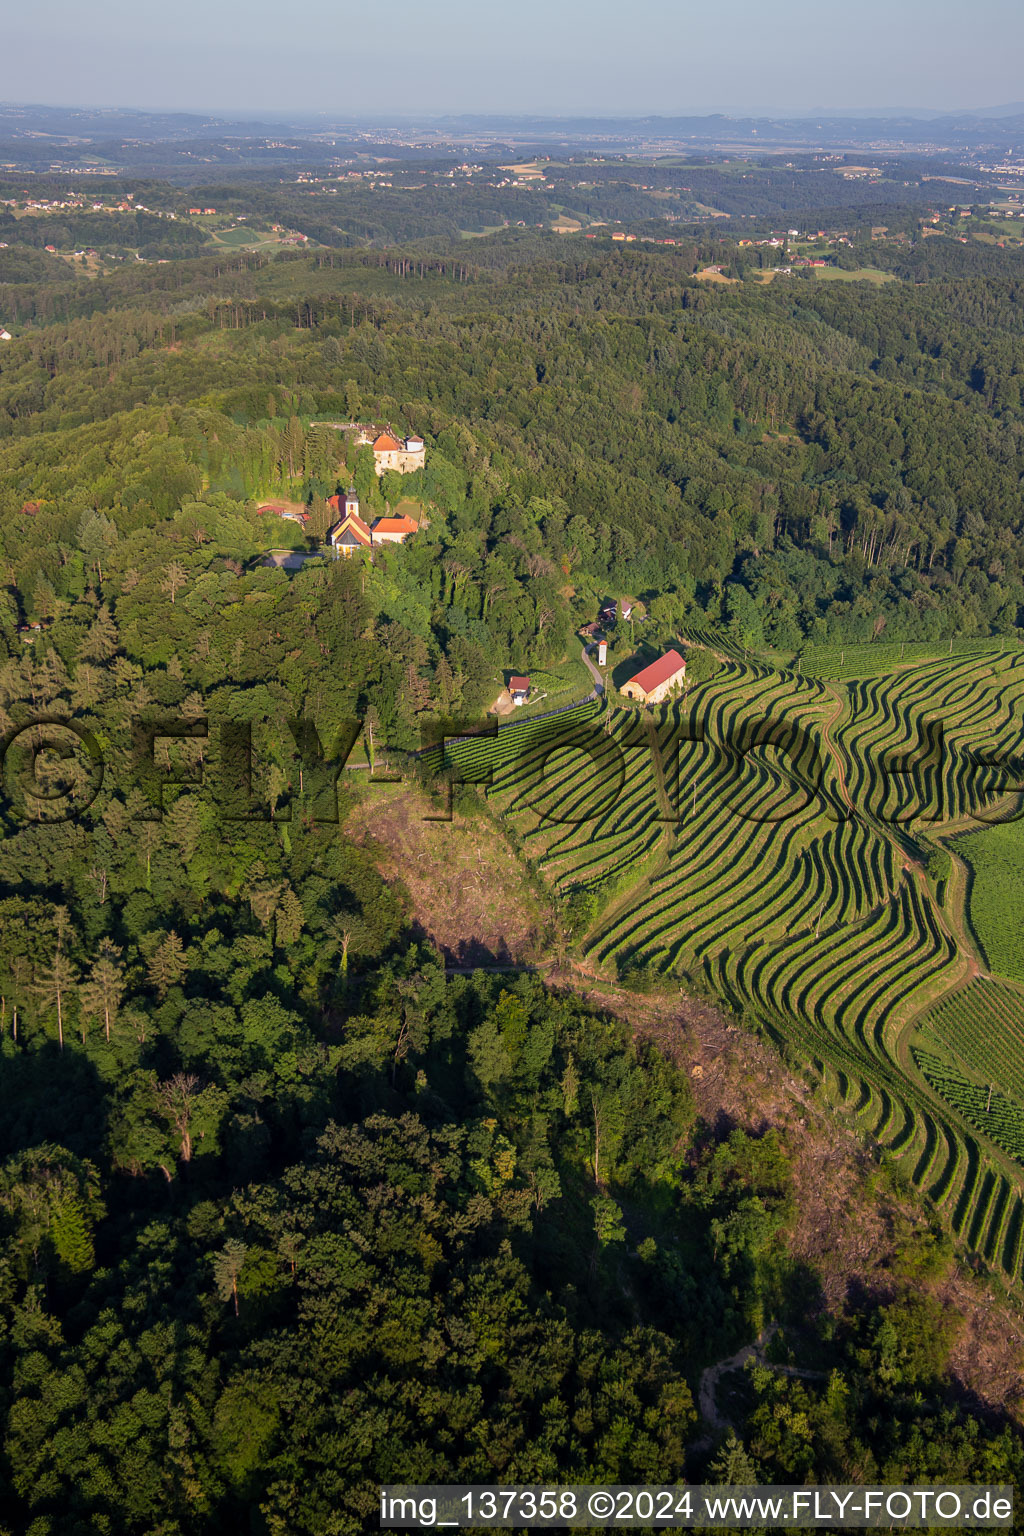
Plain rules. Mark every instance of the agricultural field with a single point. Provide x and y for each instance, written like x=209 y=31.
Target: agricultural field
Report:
x=877 y=657
x=857 y=275
x=993 y=1113
x=767 y=840
x=981 y=1028
x=995 y=857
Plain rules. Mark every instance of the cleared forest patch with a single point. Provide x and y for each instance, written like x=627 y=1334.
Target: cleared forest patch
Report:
x=468 y=892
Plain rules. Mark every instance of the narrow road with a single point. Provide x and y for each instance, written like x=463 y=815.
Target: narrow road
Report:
x=707 y=1401
x=833 y=749
x=595 y=674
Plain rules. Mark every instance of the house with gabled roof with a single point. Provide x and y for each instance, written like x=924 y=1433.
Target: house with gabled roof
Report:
x=392 y=530
x=625 y=609
x=654 y=683
x=349 y=533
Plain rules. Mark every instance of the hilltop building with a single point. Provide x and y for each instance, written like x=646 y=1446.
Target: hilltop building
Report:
x=519 y=689
x=654 y=683
x=392 y=452
x=403 y=456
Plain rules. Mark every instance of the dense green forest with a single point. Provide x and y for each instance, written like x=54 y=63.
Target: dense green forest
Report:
x=800 y=463
x=287 y=1210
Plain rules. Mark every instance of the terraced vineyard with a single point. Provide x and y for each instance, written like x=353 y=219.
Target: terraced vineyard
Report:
x=768 y=836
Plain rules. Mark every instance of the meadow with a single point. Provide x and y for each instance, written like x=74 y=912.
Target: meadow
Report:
x=855 y=275
x=995 y=858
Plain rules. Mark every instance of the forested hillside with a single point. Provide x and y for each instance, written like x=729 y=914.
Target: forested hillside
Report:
x=287 y=1210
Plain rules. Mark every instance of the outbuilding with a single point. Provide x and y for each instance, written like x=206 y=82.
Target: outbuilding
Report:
x=654 y=683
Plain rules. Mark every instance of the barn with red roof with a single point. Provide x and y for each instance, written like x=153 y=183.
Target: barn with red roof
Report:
x=654 y=683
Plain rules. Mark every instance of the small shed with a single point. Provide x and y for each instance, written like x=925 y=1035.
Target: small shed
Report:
x=519 y=689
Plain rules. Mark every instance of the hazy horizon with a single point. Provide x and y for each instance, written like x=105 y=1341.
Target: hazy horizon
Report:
x=302 y=116
x=577 y=60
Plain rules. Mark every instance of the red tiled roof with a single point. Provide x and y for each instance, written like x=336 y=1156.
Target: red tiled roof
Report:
x=353 y=523
x=659 y=671
x=519 y=685
x=385 y=443
x=401 y=524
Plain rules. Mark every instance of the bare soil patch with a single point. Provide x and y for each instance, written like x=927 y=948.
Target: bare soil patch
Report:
x=468 y=891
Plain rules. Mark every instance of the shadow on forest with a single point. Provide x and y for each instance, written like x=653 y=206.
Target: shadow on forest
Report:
x=51 y=1095
x=471 y=952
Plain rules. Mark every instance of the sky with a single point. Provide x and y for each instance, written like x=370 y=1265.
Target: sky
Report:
x=561 y=57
